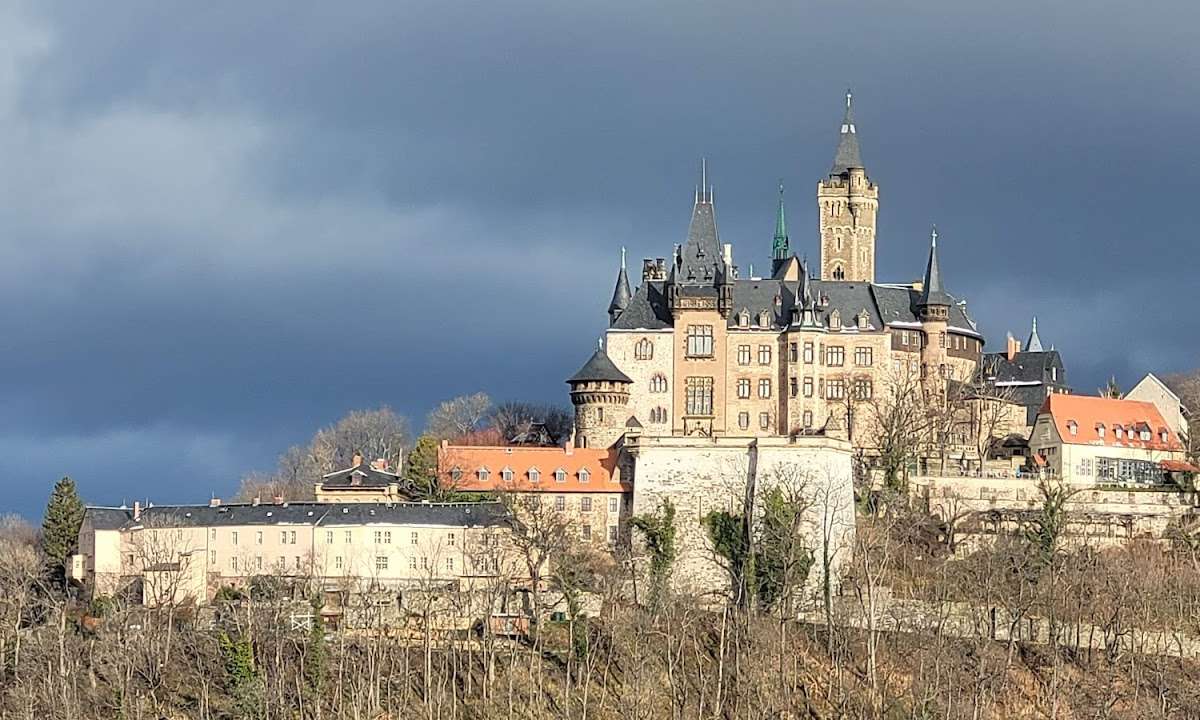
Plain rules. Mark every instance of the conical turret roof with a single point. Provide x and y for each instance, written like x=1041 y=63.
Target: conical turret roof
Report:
x=848 y=154
x=599 y=367
x=933 y=291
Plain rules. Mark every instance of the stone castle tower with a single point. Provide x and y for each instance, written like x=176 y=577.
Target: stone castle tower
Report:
x=848 y=203
x=933 y=310
x=600 y=394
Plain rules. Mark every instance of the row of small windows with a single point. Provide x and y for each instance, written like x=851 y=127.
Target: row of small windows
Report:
x=286 y=537
x=534 y=475
x=1123 y=433
x=743 y=388
x=585 y=503
x=764 y=420
x=764 y=318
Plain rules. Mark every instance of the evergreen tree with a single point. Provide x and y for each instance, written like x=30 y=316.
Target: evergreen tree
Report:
x=60 y=526
x=420 y=467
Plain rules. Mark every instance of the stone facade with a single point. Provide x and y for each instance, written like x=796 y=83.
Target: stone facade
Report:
x=698 y=476
x=848 y=205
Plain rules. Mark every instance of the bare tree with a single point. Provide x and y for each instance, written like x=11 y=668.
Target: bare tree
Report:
x=458 y=416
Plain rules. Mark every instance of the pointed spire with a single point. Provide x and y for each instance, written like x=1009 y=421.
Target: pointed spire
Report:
x=933 y=292
x=621 y=294
x=704 y=192
x=848 y=154
x=1035 y=343
x=779 y=248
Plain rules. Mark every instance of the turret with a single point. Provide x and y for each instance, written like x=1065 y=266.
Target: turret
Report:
x=621 y=295
x=1035 y=342
x=779 y=245
x=933 y=310
x=600 y=394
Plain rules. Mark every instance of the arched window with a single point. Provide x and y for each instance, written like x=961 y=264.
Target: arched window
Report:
x=839 y=273
x=643 y=350
x=744 y=319
x=764 y=319
x=658 y=383
x=658 y=415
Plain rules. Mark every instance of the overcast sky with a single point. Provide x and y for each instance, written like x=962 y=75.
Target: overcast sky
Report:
x=225 y=224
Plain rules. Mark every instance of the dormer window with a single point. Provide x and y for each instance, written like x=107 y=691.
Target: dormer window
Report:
x=456 y=474
x=507 y=475
x=534 y=475
x=1145 y=435
x=1100 y=429
x=584 y=475
x=483 y=474
x=744 y=319
x=1162 y=435
x=864 y=320
x=560 y=475
x=1119 y=432
x=835 y=320
x=764 y=319
x=1072 y=427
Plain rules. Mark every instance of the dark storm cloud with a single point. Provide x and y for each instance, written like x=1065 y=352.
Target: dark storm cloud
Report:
x=227 y=223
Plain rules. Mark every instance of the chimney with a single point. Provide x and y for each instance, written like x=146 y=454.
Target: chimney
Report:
x=1013 y=347
x=256 y=501
x=278 y=499
x=215 y=502
x=379 y=464
x=357 y=460
x=137 y=510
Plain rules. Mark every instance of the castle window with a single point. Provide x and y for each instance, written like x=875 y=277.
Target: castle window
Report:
x=764 y=319
x=808 y=352
x=658 y=383
x=793 y=387
x=764 y=354
x=863 y=356
x=792 y=354
x=764 y=388
x=863 y=320
x=942 y=339
x=643 y=350
x=699 y=341
x=743 y=354
x=744 y=420
x=808 y=387
x=585 y=504
x=535 y=475
x=483 y=474
x=764 y=420
x=699 y=395
x=744 y=319
x=838 y=272
x=600 y=414
x=612 y=504
x=507 y=475
x=584 y=475
x=585 y=532
x=743 y=388
x=560 y=503
x=658 y=415
x=560 y=475
x=808 y=418
x=863 y=389
x=1100 y=429
x=583 y=441
x=835 y=356
x=835 y=320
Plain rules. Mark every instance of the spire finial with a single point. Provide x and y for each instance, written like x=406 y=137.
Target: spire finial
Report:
x=849 y=98
x=622 y=257
x=600 y=343
x=1034 y=344
x=933 y=241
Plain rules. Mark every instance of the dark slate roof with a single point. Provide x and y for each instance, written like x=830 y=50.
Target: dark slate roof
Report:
x=361 y=475
x=107 y=518
x=700 y=259
x=647 y=310
x=599 y=367
x=1034 y=344
x=848 y=154
x=621 y=294
x=1024 y=367
x=305 y=513
x=933 y=292
x=886 y=304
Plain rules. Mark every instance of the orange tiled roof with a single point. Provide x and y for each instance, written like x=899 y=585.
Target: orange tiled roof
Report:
x=1090 y=414
x=583 y=469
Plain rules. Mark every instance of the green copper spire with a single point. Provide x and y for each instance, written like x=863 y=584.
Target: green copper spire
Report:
x=779 y=249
